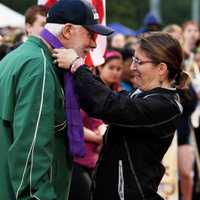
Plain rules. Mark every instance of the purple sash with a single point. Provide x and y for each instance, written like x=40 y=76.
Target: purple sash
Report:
x=75 y=125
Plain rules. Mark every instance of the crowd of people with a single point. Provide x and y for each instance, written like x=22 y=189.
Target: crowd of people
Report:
x=124 y=131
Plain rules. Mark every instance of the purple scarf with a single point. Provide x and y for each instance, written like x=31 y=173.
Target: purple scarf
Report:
x=75 y=124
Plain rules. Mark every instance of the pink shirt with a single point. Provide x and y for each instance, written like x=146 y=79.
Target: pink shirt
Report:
x=91 y=155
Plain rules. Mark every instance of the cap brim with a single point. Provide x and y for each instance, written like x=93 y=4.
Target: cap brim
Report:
x=100 y=29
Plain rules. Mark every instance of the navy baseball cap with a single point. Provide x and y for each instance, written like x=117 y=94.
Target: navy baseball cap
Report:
x=79 y=12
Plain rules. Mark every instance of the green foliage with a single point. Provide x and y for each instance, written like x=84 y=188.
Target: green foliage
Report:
x=132 y=12
x=175 y=11
x=128 y=12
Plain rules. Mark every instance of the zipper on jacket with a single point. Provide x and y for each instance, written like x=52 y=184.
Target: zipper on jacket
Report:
x=106 y=135
x=120 y=181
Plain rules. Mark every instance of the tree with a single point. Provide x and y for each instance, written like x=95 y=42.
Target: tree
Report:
x=132 y=12
x=175 y=11
x=127 y=12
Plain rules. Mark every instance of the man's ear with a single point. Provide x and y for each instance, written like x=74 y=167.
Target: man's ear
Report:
x=67 y=31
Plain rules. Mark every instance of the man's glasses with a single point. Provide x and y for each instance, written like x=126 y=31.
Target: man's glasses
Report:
x=137 y=61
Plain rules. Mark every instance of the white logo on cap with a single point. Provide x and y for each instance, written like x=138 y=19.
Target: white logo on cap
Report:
x=96 y=15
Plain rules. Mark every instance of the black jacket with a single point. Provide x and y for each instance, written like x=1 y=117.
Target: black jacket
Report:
x=141 y=128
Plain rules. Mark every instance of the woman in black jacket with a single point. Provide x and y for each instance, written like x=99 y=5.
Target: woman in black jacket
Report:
x=141 y=125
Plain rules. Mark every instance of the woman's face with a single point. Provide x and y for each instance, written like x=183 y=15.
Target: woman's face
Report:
x=111 y=72
x=191 y=33
x=146 y=73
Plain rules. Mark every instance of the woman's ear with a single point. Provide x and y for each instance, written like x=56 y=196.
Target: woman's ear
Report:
x=163 y=70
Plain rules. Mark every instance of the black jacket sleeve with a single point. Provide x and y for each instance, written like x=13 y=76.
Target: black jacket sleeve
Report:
x=118 y=108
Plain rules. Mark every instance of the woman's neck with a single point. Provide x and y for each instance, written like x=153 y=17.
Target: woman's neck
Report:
x=166 y=85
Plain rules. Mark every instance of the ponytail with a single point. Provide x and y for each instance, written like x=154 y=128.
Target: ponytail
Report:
x=182 y=80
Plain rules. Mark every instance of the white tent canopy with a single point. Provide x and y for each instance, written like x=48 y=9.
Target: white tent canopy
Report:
x=9 y=17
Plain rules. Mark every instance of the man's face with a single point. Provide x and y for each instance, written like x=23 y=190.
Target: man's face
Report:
x=37 y=26
x=81 y=40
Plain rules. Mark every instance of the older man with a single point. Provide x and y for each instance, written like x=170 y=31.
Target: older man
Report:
x=35 y=163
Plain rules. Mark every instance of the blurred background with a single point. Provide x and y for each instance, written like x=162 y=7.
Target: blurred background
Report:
x=131 y=13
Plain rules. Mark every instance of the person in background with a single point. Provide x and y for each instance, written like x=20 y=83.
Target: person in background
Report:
x=3 y=50
x=138 y=133
x=19 y=39
x=127 y=78
x=185 y=152
x=130 y=42
x=190 y=36
x=110 y=72
x=35 y=19
x=83 y=168
x=117 y=41
x=175 y=31
x=197 y=57
x=190 y=41
x=196 y=123
x=151 y=23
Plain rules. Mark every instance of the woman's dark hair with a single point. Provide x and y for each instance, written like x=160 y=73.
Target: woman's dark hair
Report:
x=163 y=48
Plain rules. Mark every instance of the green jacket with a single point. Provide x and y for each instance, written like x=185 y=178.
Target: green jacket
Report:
x=34 y=160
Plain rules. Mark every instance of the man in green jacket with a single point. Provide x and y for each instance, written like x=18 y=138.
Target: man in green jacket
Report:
x=34 y=158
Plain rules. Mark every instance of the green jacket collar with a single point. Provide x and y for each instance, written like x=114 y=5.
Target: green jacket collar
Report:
x=41 y=44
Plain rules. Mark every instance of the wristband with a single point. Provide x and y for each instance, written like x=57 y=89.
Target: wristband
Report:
x=74 y=60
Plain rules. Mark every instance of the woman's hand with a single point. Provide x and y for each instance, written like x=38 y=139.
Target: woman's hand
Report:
x=66 y=58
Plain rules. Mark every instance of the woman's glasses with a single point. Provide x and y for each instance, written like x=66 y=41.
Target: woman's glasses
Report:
x=137 y=61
